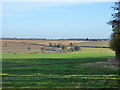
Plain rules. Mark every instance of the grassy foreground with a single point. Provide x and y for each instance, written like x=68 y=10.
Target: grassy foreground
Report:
x=64 y=70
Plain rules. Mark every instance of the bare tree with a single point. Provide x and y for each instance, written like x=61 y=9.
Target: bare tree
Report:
x=29 y=48
x=5 y=44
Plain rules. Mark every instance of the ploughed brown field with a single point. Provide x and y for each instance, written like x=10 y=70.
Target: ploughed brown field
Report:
x=21 y=46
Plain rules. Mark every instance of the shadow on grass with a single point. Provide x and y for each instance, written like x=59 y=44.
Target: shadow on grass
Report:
x=49 y=61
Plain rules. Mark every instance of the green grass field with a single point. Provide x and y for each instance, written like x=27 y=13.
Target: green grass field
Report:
x=63 y=70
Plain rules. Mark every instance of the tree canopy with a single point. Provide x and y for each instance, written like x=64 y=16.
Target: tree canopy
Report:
x=115 y=23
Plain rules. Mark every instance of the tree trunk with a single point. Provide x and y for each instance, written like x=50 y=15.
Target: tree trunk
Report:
x=117 y=58
x=117 y=55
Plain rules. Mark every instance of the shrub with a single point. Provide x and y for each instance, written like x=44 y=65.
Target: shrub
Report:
x=71 y=49
x=64 y=47
x=50 y=44
x=15 y=53
x=31 y=53
x=77 y=48
x=71 y=44
x=59 y=45
x=42 y=48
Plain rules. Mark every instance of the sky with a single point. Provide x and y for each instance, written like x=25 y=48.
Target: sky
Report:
x=56 y=20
